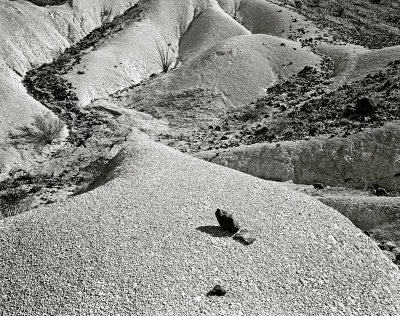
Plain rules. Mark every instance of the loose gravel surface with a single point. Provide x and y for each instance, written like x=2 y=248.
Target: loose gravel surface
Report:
x=145 y=243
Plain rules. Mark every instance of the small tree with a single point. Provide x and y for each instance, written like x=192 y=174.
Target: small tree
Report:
x=165 y=56
x=44 y=130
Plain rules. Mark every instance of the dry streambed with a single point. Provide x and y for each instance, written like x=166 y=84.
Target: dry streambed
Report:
x=94 y=135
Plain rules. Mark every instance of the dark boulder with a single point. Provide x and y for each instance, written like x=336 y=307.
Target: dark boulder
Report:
x=217 y=290
x=226 y=221
x=378 y=191
x=318 y=186
x=365 y=106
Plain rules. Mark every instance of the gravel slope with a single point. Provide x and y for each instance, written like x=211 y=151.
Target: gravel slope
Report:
x=131 y=247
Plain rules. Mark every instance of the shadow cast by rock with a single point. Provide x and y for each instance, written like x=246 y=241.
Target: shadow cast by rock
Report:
x=215 y=231
x=241 y=241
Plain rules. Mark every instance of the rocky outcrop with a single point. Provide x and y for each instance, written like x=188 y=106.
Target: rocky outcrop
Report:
x=358 y=161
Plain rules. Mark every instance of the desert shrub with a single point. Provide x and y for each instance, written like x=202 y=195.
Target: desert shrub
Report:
x=315 y=3
x=247 y=113
x=339 y=11
x=11 y=205
x=44 y=130
x=165 y=56
x=298 y=4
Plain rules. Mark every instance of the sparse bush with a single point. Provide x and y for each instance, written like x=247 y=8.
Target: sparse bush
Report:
x=248 y=113
x=315 y=3
x=339 y=11
x=298 y=4
x=165 y=57
x=44 y=130
x=14 y=204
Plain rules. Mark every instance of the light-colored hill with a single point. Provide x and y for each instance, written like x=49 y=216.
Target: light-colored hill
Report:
x=201 y=36
x=265 y=17
x=211 y=27
x=239 y=68
x=374 y=60
x=32 y=35
x=132 y=55
x=145 y=243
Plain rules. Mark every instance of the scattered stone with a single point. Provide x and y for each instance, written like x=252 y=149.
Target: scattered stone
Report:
x=318 y=186
x=246 y=236
x=365 y=106
x=226 y=221
x=387 y=245
x=396 y=252
x=366 y=232
x=379 y=191
x=217 y=290
x=389 y=255
x=80 y=72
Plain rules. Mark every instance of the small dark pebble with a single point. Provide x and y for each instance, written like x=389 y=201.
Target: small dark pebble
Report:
x=318 y=186
x=378 y=191
x=245 y=236
x=218 y=290
x=387 y=245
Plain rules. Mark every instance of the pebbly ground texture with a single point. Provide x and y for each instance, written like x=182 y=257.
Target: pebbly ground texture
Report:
x=145 y=243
